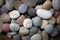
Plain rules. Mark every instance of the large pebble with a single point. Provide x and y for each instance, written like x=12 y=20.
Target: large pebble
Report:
x=31 y=12
x=45 y=14
x=56 y=4
x=47 y=2
x=36 y=21
x=27 y=23
x=49 y=28
x=1 y=2
x=30 y=3
x=33 y=31
x=45 y=35
x=6 y=27
x=58 y=20
x=16 y=37
x=44 y=23
x=5 y=17
x=20 y=20
x=22 y=8
x=23 y=31
x=14 y=27
x=14 y=14
x=36 y=37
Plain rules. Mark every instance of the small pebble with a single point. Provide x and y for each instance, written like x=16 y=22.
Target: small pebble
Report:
x=14 y=14
x=22 y=8
x=45 y=35
x=36 y=21
x=23 y=31
x=44 y=23
x=14 y=27
x=6 y=27
x=5 y=17
x=45 y=14
x=36 y=37
x=31 y=12
x=1 y=2
x=49 y=28
x=33 y=31
x=58 y=20
x=27 y=23
x=47 y=2
x=20 y=20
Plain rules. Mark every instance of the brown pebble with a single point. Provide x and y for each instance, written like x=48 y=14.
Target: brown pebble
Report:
x=5 y=17
x=20 y=20
x=44 y=35
x=47 y=4
x=58 y=19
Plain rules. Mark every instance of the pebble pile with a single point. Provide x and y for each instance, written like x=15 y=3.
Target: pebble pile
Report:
x=30 y=19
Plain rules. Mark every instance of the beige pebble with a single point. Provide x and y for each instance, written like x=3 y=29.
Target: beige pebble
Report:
x=58 y=20
x=44 y=23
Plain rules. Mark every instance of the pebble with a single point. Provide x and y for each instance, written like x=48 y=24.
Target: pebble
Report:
x=1 y=2
x=33 y=31
x=23 y=31
x=30 y=3
x=45 y=35
x=58 y=27
x=49 y=28
x=55 y=4
x=52 y=20
x=22 y=8
x=36 y=21
x=27 y=23
x=55 y=33
x=20 y=20
x=6 y=27
x=45 y=14
x=31 y=12
x=14 y=14
x=5 y=17
x=58 y=20
x=36 y=37
x=44 y=23
x=47 y=2
x=14 y=27
x=16 y=37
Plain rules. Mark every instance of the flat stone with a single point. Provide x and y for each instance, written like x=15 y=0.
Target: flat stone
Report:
x=58 y=20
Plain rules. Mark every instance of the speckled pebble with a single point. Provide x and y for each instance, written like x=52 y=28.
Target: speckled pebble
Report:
x=14 y=27
x=45 y=14
x=27 y=23
x=36 y=37
x=5 y=17
x=36 y=21
x=22 y=8
x=23 y=31
x=49 y=28
x=1 y=2
x=14 y=14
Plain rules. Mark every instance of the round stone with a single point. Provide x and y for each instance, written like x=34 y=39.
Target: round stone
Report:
x=6 y=27
x=16 y=37
x=36 y=37
x=31 y=12
x=44 y=23
x=49 y=28
x=58 y=19
x=1 y=2
x=58 y=27
x=22 y=8
x=55 y=4
x=33 y=31
x=36 y=21
x=27 y=23
x=5 y=17
x=30 y=3
x=14 y=14
x=23 y=31
x=14 y=27
x=45 y=35
x=45 y=14
x=47 y=2
x=20 y=20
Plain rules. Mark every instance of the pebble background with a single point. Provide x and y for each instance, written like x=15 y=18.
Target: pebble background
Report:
x=29 y=19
